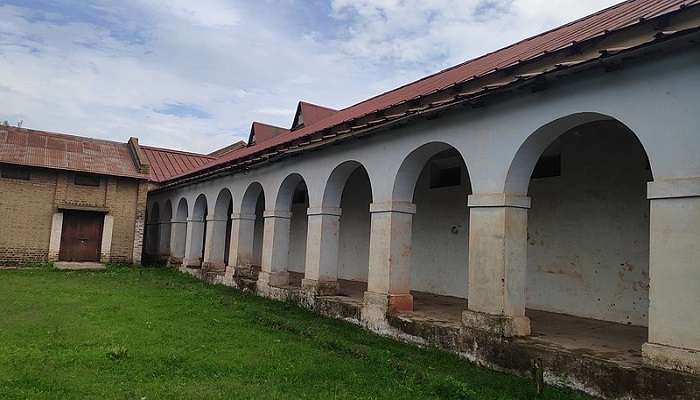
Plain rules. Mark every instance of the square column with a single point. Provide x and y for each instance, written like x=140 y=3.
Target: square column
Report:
x=322 y=241
x=275 y=251
x=674 y=275
x=178 y=240
x=106 y=246
x=215 y=242
x=497 y=264
x=242 y=239
x=193 y=243
x=389 y=278
x=164 y=239
x=55 y=238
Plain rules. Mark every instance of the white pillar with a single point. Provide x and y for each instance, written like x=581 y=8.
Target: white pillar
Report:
x=242 y=240
x=497 y=264
x=322 y=242
x=55 y=238
x=275 y=250
x=106 y=247
x=674 y=274
x=388 y=283
x=164 y=238
x=215 y=242
x=193 y=244
x=178 y=240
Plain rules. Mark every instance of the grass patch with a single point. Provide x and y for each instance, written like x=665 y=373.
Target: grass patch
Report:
x=134 y=333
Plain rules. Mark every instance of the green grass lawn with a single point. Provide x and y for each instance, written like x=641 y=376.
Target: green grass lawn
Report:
x=128 y=333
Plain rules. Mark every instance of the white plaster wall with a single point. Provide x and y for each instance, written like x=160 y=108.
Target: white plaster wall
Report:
x=439 y=263
x=297 y=238
x=353 y=253
x=588 y=229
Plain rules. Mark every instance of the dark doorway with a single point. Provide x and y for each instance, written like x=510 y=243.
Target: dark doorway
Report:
x=81 y=236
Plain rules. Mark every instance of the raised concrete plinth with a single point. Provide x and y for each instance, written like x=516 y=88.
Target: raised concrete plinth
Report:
x=320 y=288
x=684 y=360
x=78 y=266
x=499 y=325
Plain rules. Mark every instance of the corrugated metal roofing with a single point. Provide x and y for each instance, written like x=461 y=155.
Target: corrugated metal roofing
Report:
x=30 y=147
x=614 y=18
x=166 y=163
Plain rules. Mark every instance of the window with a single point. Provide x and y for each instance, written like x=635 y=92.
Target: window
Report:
x=15 y=173
x=547 y=167
x=87 y=180
x=445 y=177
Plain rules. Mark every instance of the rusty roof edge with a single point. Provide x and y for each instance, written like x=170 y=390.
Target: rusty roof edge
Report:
x=658 y=39
x=67 y=169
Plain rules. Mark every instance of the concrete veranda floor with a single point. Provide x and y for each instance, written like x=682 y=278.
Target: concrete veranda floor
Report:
x=604 y=340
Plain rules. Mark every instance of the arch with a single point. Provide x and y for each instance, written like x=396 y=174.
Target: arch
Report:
x=333 y=191
x=223 y=204
x=167 y=211
x=250 y=198
x=154 y=215
x=529 y=152
x=165 y=231
x=412 y=166
x=182 y=210
x=287 y=190
x=587 y=233
x=200 y=207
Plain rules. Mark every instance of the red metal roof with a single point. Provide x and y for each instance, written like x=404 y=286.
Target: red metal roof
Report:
x=604 y=22
x=59 y=151
x=166 y=163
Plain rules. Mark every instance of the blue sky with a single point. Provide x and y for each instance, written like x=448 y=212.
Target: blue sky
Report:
x=194 y=74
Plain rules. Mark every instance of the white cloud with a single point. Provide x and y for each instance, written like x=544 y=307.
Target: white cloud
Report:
x=109 y=75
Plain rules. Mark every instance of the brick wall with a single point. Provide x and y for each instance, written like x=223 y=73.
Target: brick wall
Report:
x=27 y=207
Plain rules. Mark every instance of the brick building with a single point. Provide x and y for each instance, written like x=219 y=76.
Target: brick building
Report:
x=70 y=198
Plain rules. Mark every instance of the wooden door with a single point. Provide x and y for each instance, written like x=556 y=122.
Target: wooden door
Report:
x=81 y=236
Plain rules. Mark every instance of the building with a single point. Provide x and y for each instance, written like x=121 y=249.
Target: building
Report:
x=510 y=208
x=70 y=198
x=539 y=205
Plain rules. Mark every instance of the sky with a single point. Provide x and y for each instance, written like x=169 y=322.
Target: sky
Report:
x=193 y=75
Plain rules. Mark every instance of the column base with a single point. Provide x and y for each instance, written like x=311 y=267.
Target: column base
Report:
x=274 y=279
x=192 y=262
x=320 y=288
x=676 y=358
x=172 y=260
x=501 y=325
x=214 y=266
x=248 y=271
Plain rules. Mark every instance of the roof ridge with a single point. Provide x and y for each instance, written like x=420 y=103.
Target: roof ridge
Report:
x=166 y=150
x=317 y=105
x=64 y=135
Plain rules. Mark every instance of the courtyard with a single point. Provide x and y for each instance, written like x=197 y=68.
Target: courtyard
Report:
x=148 y=333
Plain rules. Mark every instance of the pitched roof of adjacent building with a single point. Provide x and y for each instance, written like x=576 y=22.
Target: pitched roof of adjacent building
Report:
x=28 y=147
x=166 y=163
x=260 y=132
x=540 y=55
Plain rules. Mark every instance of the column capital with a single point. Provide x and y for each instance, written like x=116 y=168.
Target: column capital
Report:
x=403 y=207
x=200 y=220
x=277 y=214
x=673 y=188
x=487 y=200
x=177 y=221
x=335 y=211
x=215 y=219
x=243 y=216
